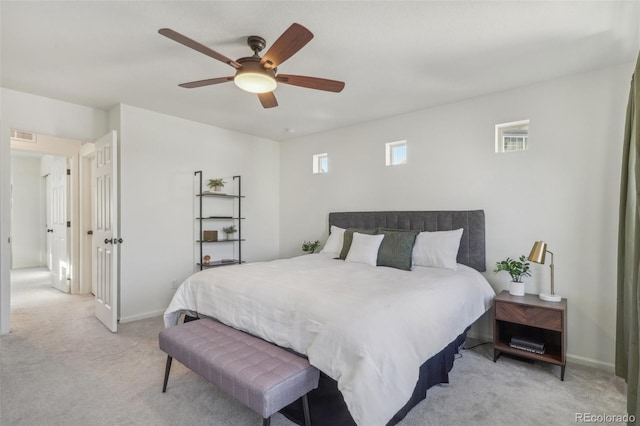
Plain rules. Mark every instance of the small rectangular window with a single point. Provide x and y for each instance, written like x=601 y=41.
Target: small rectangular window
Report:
x=513 y=136
x=320 y=163
x=396 y=153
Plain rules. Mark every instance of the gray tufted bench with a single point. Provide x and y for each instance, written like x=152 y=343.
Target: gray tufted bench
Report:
x=262 y=376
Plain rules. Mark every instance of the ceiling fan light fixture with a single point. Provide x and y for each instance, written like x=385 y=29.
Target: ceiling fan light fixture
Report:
x=257 y=74
x=255 y=82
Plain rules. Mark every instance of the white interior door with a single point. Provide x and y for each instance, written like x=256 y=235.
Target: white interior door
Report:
x=59 y=254
x=49 y=216
x=92 y=196
x=106 y=238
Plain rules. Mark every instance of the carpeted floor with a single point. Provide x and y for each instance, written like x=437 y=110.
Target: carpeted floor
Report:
x=60 y=366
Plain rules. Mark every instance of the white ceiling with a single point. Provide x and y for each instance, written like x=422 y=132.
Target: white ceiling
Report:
x=395 y=57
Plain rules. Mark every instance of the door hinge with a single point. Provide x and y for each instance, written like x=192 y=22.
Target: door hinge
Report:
x=68 y=224
x=68 y=172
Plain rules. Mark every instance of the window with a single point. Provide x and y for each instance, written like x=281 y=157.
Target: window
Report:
x=512 y=137
x=396 y=153
x=320 y=163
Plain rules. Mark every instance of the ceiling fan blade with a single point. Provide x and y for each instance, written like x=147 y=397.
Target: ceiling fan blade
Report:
x=292 y=40
x=207 y=82
x=184 y=40
x=311 y=82
x=268 y=100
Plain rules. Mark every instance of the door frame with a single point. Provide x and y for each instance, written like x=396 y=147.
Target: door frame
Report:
x=69 y=148
x=86 y=270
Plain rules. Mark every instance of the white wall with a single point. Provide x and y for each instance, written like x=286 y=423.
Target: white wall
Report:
x=41 y=115
x=563 y=190
x=158 y=157
x=28 y=240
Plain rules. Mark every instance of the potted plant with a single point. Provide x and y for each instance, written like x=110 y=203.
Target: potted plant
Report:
x=518 y=269
x=228 y=230
x=309 y=247
x=216 y=184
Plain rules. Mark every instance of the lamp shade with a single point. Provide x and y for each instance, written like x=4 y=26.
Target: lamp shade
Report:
x=254 y=82
x=253 y=78
x=537 y=255
x=538 y=252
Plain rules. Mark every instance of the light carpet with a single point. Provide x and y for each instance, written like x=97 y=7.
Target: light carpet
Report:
x=61 y=366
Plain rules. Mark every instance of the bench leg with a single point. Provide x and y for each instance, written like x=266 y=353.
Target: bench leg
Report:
x=305 y=408
x=266 y=421
x=166 y=373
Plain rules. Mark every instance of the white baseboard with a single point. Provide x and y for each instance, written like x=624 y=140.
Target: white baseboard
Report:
x=571 y=358
x=132 y=318
x=589 y=362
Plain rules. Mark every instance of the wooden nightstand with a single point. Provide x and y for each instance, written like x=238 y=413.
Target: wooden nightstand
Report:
x=530 y=318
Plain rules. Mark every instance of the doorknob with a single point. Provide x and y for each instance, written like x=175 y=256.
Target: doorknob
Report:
x=108 y=240
x=49 y=230
x=119 y=240
x=89 y=232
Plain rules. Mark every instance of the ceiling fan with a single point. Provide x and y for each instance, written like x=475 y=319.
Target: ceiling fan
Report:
x=257 y=74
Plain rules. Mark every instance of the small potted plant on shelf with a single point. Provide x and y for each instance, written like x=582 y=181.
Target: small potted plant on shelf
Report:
x=228 y=230
x=518 y=269
x=309 y=247
x=216 y=185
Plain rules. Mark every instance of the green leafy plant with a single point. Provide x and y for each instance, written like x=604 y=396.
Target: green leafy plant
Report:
x=310 y=247
x=516 y=268
x=229 y=229
x=216 y=182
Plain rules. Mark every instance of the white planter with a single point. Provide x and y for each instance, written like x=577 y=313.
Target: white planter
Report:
x=516 y=288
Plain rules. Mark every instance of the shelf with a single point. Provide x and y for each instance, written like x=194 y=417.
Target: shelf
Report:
x=219 y=241
x=223 y=214
x=219 y=195
x=218 y=263
x=219 y=218
x=552 y=355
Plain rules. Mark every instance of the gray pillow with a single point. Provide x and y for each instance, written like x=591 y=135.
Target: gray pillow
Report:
x=396 y=248
x=348 y=239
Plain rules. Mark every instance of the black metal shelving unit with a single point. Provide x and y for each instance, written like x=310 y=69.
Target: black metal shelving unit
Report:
x=236 y=219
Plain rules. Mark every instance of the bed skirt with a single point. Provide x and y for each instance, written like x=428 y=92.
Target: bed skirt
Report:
x=329 y=409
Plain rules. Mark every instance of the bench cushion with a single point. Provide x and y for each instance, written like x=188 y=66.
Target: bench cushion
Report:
x=259 y=374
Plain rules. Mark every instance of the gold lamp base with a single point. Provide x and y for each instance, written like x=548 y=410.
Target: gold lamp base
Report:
x=550 y=297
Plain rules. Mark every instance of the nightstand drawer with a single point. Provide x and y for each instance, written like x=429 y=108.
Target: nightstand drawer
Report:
x=538 y=317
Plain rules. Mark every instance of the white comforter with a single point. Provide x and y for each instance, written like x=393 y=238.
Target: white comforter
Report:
x=368 y=328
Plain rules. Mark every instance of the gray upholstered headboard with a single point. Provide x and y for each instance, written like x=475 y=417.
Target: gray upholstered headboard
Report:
x=472 y=244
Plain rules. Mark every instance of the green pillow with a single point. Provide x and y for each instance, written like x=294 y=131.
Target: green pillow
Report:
x=348 y=239
x=396 y=248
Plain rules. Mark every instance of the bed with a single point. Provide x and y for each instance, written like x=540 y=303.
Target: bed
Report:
x=381 y=336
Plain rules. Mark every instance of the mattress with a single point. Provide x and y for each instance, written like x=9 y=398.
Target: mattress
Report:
x=369 y=328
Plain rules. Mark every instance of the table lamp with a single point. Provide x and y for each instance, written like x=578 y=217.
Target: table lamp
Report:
x=537 y=255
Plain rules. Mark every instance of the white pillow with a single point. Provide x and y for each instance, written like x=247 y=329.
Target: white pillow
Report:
x=437 y=249
x=333 y=246
x=364 y=248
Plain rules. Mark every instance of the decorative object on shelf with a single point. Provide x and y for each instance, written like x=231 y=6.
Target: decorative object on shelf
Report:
x=228 y=230
x=310 y=247
x=517 y=269
x=210 y=235
x=537 y=255
x=206 y=259
x=216 y=184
